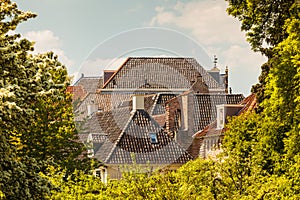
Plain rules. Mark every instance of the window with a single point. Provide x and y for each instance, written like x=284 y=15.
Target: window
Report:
x=97 y=173
x=220 y=116
x=153 y=138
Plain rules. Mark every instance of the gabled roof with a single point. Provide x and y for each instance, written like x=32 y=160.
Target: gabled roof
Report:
x=200 y=108
x=159 y=73
x=135 y=140
x=211 y=130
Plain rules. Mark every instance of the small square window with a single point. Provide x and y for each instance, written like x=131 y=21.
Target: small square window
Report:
x=153 y=138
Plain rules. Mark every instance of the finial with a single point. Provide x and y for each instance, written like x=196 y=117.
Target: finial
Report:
x=215 y=60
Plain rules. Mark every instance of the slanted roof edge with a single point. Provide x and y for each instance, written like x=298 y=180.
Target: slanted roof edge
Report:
x=86 y=96
x=116 y=71
x=154 y=103
x=85 y=77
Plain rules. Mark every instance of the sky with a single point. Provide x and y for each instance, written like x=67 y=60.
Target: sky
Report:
x=92 y=35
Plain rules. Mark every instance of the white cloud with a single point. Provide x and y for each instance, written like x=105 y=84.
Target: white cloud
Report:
x=46 y=41
x=237 y=56
x=244 y=67
x=220 y=35
x=207 y=20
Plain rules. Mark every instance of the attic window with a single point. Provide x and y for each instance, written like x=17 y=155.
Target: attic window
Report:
x=153 y=138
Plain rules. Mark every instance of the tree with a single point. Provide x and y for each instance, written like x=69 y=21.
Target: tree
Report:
x=42 y=125
x=18 y=176
x=77 y=185
x=262 y=149
x=36 y=114
x=263 y=21
x=50 y=131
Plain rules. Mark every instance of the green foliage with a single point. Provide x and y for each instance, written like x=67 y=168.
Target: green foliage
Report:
x=19 y=178
x=262 y=150
x=77 y=185
x=36 y=121
x=263 y=21
x=50 y=131
x=195 y=180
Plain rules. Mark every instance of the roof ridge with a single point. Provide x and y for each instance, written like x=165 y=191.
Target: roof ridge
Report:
x=158 y=57
x=181 y=61
x=85 y=77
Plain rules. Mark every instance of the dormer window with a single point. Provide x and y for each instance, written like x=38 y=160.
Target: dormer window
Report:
x=153 y=138
x=225 y=110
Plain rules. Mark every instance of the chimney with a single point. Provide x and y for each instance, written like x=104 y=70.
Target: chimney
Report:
x=187 y=111
x=226 y=80
x=186 y=131
x=138 y=102
x=199 y=86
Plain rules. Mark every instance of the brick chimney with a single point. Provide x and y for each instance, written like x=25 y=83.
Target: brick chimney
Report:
x=187 y=111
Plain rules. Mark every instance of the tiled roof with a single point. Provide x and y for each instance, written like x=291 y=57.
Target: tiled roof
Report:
x=78 y=92
x=90 y=84
x=105 y=102
x=154 y=103
x=205 y=111
x=135 y=139
x=90 y=125
x=98 y=139
x=249 y=103
x=111 y=123
x=159 y=73
x=159 y=104
x=211 y=131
